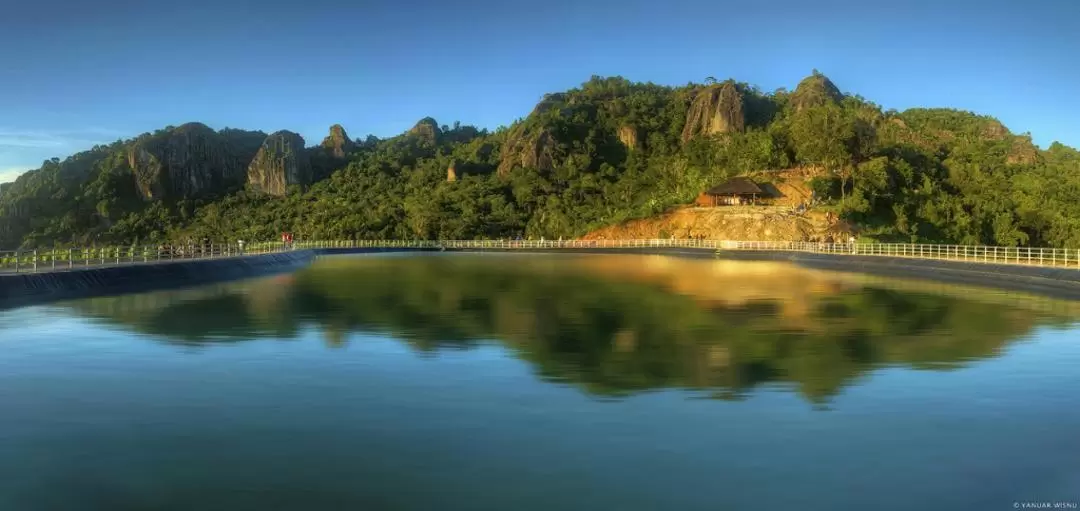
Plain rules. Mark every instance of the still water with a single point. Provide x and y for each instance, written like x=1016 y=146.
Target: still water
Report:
x=509 y=382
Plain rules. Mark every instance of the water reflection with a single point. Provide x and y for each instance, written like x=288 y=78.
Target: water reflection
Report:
x=613 y=325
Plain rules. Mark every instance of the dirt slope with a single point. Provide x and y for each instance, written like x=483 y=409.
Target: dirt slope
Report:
x=777 y=221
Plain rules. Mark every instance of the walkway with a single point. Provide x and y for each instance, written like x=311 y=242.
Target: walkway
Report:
x=71 y=259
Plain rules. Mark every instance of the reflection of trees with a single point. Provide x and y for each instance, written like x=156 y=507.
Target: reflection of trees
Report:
x=613 y=334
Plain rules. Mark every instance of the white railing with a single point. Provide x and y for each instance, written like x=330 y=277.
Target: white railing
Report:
x=61 y=259
x=33 y=261
x=1029 y=256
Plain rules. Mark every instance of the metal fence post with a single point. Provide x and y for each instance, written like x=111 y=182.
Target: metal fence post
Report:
x=16 y=261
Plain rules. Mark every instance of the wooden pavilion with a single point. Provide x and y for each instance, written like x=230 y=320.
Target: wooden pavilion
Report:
x=733 y=192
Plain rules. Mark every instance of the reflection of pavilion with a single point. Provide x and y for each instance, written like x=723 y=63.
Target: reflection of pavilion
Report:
x=729 y=284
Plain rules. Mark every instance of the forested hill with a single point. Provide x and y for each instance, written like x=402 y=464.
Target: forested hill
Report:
x=608 y=151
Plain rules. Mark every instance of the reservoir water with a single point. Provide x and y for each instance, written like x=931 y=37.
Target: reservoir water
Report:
x=522 y=382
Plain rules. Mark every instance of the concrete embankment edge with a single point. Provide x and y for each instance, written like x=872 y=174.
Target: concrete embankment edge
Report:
x=1052 y=282
x=17 y=290
x=31 y=288
x=1062 y=283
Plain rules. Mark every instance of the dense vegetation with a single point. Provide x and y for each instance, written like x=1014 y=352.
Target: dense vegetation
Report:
x=604 y=152
x=609 y=332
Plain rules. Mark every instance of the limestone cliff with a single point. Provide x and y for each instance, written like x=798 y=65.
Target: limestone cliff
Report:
x=337 y=143
x=242 y=145
x=1023 y=152
x=715 y=109
x=531 y=149
x=815 y=90
x=280 y=163
x=549 y=102
x=188 y=161
x=531 y=144
x=994 y=130
x=452 y=172
x=427 y=129
x=630 y=137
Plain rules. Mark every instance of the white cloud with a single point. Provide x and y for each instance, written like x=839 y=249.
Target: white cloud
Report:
x=9 y=175
x=22 y=149
x=38 y=139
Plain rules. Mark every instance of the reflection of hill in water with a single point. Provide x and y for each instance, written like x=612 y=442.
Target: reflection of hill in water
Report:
x=612 y=324
x=216 y=313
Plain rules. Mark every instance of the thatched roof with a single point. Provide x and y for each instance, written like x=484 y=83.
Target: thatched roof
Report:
x=736 y=186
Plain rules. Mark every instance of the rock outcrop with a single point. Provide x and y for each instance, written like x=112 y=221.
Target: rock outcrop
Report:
x=815 y=90
x=549 y=102
x=280 y=163
x=716 y=109
x=338 y=144
x=531 y=144
x=184 y=162
x=630 y=137
x=532 y=150
x=1023 y=152
x=427 y=130
x=452 y=172
x=994 y=130
x=243 y=146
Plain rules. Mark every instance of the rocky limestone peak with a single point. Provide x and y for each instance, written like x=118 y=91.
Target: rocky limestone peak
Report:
x=281 y=162
x=1023 y=152
x=337 y=143
x=548 y=102
x=183 y=162
x=815 y=90
x=427 y=129
x=533 y=150
x=629 y=136
x=715 y=109
x=994 y=130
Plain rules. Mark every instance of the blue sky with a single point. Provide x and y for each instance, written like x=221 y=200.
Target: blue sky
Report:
x=74 y=73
